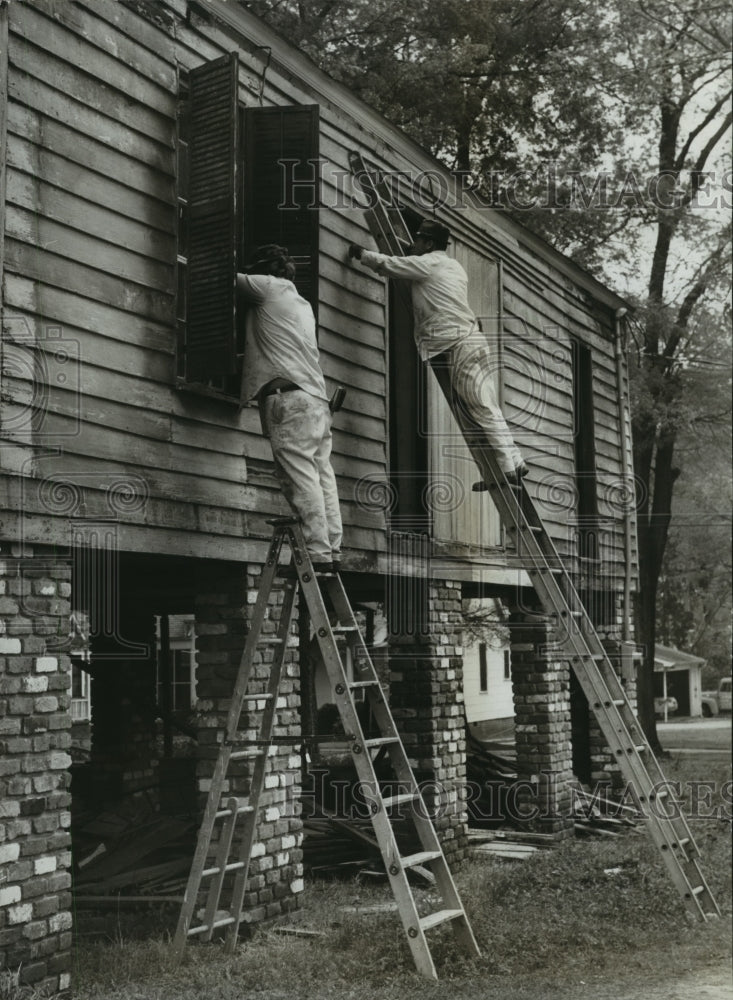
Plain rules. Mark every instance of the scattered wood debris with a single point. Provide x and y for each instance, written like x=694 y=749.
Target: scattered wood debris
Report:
x=597 y=815
x=133 y=858
x=333 y=845
x=515 y=845
x=303 y=932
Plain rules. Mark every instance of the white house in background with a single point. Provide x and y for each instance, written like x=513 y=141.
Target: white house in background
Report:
x=182 y=678
x=679 y=675
x=487 y=675
x=81 y=681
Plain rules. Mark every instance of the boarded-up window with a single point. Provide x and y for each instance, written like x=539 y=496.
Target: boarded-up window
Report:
x=460 y=515
x=282 y=188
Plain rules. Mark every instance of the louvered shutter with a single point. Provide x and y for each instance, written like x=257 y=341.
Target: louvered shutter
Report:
x=211 y=292
x=282 y=182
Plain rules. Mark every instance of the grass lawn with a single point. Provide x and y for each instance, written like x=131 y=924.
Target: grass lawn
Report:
x=555 y=926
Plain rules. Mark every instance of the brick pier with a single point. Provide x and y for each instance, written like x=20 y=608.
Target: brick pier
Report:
x=35 y=736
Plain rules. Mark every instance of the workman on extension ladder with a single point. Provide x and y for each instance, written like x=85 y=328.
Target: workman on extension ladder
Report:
x=282 y=372
x=448 y=335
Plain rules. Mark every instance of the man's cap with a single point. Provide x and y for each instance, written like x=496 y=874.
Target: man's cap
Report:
x=433 y=230
x=266 y=255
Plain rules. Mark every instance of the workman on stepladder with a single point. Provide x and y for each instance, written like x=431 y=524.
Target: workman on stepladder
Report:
x=283 y=373
x=448 y=335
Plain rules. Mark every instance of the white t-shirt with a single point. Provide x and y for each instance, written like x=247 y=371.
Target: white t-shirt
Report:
x=439 y=288
x=280 y=336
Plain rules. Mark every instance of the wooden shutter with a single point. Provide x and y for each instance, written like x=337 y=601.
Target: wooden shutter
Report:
x=211 y=291
x=282 y=182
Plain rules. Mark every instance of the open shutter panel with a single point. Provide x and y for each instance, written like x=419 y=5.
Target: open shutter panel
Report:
x=211 y=294
x=282 y=145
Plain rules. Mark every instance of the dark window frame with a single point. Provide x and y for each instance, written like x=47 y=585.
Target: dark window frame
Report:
x=585 y=450
x=483 y=668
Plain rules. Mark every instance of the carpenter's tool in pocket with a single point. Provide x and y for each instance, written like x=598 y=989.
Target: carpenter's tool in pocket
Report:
x=337 y=400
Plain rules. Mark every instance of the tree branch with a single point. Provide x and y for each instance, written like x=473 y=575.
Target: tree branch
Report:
x=695 y=132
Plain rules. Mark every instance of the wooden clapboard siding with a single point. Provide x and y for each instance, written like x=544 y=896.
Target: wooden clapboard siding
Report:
x=29 y=194
x=121 y=314
x=96 y=129
x=118 y=37
x=34 y=228
x=91 y=217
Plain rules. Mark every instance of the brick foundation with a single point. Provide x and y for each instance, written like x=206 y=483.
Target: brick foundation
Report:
x=35 y=737
x=426 y=692
x=541 y=683
x=276 y=871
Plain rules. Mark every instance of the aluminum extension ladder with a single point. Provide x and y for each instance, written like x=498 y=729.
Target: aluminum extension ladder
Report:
x=663 y=815
x=230 y=852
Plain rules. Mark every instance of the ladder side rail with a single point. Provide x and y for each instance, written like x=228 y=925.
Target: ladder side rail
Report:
x=555 y=597
x=390 y=224
x=221 y=857
x=625 y=721
x=669 y=831
x=620 y=716
x=253 y=637
x=213 y=801
x=202 y=850
x=224 y=845
x=618 y=728
x=381 y=711
x=366 y=774
x=257 y=780
x=406 y=781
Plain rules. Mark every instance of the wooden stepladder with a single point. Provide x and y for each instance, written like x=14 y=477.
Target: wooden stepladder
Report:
x=227 y=833
x=663 y=815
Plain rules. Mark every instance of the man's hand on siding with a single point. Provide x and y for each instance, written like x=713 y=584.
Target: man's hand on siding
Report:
x=355 y=251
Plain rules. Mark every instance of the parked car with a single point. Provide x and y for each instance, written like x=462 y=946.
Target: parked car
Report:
x=659 y=704
x=717 y=701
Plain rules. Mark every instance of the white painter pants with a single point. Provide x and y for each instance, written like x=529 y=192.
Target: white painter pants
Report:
x=299 y=428
x=472 y=371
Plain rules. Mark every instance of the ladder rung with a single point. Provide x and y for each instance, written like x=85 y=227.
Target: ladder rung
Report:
x=244 y=755
x=381 y=741
x=682 y=842
x=233 y=867
x=203 y=928
x=398 y=800
x=274 y=641
x=257 y=697
x=697 y=890
x=363 y=684
x=439 y=917
x=422 y=858
x=228 y=812
x=337 y=629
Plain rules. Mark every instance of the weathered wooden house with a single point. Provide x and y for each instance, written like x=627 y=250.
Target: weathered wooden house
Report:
x=146 y=148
